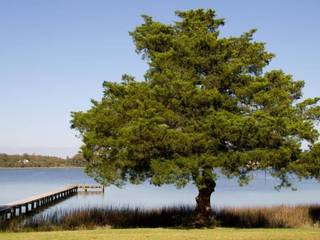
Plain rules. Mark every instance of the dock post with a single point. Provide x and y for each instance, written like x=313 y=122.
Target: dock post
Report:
x=29 y=205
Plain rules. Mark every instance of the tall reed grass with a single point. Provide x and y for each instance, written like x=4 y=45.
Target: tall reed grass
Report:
x=177 y=216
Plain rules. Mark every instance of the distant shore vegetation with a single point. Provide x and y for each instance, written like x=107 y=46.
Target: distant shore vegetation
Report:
x=33 y=160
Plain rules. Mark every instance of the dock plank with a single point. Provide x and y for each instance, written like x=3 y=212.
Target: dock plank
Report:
x=13 y=209
x=41 y=196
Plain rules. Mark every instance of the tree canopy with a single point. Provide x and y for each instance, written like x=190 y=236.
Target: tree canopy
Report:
x=206 y=103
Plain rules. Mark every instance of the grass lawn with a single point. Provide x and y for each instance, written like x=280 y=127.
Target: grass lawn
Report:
x=165 y=234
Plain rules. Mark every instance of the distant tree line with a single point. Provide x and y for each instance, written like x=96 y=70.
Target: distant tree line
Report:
x=32 y=160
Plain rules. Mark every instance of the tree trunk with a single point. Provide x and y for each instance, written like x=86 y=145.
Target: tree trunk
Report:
x=204 y=216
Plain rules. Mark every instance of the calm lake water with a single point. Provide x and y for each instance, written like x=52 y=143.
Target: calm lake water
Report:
x=17 y=184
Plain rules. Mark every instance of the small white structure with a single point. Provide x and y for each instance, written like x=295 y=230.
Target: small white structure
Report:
x=24 y=161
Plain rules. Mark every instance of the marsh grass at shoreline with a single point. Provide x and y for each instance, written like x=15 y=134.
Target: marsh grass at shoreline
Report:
x=168 y=217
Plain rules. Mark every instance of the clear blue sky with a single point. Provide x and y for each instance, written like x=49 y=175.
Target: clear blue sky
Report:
x=54 y=56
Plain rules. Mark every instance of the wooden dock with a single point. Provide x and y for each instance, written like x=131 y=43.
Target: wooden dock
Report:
x=31 y=204
x=86 y=187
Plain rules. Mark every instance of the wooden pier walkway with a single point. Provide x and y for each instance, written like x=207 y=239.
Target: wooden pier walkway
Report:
x=29 y=205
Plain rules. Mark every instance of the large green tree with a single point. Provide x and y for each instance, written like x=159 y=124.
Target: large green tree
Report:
x=206 y=105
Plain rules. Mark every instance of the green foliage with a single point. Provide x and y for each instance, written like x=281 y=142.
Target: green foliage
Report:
x=206 y=103
x=8 y=161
